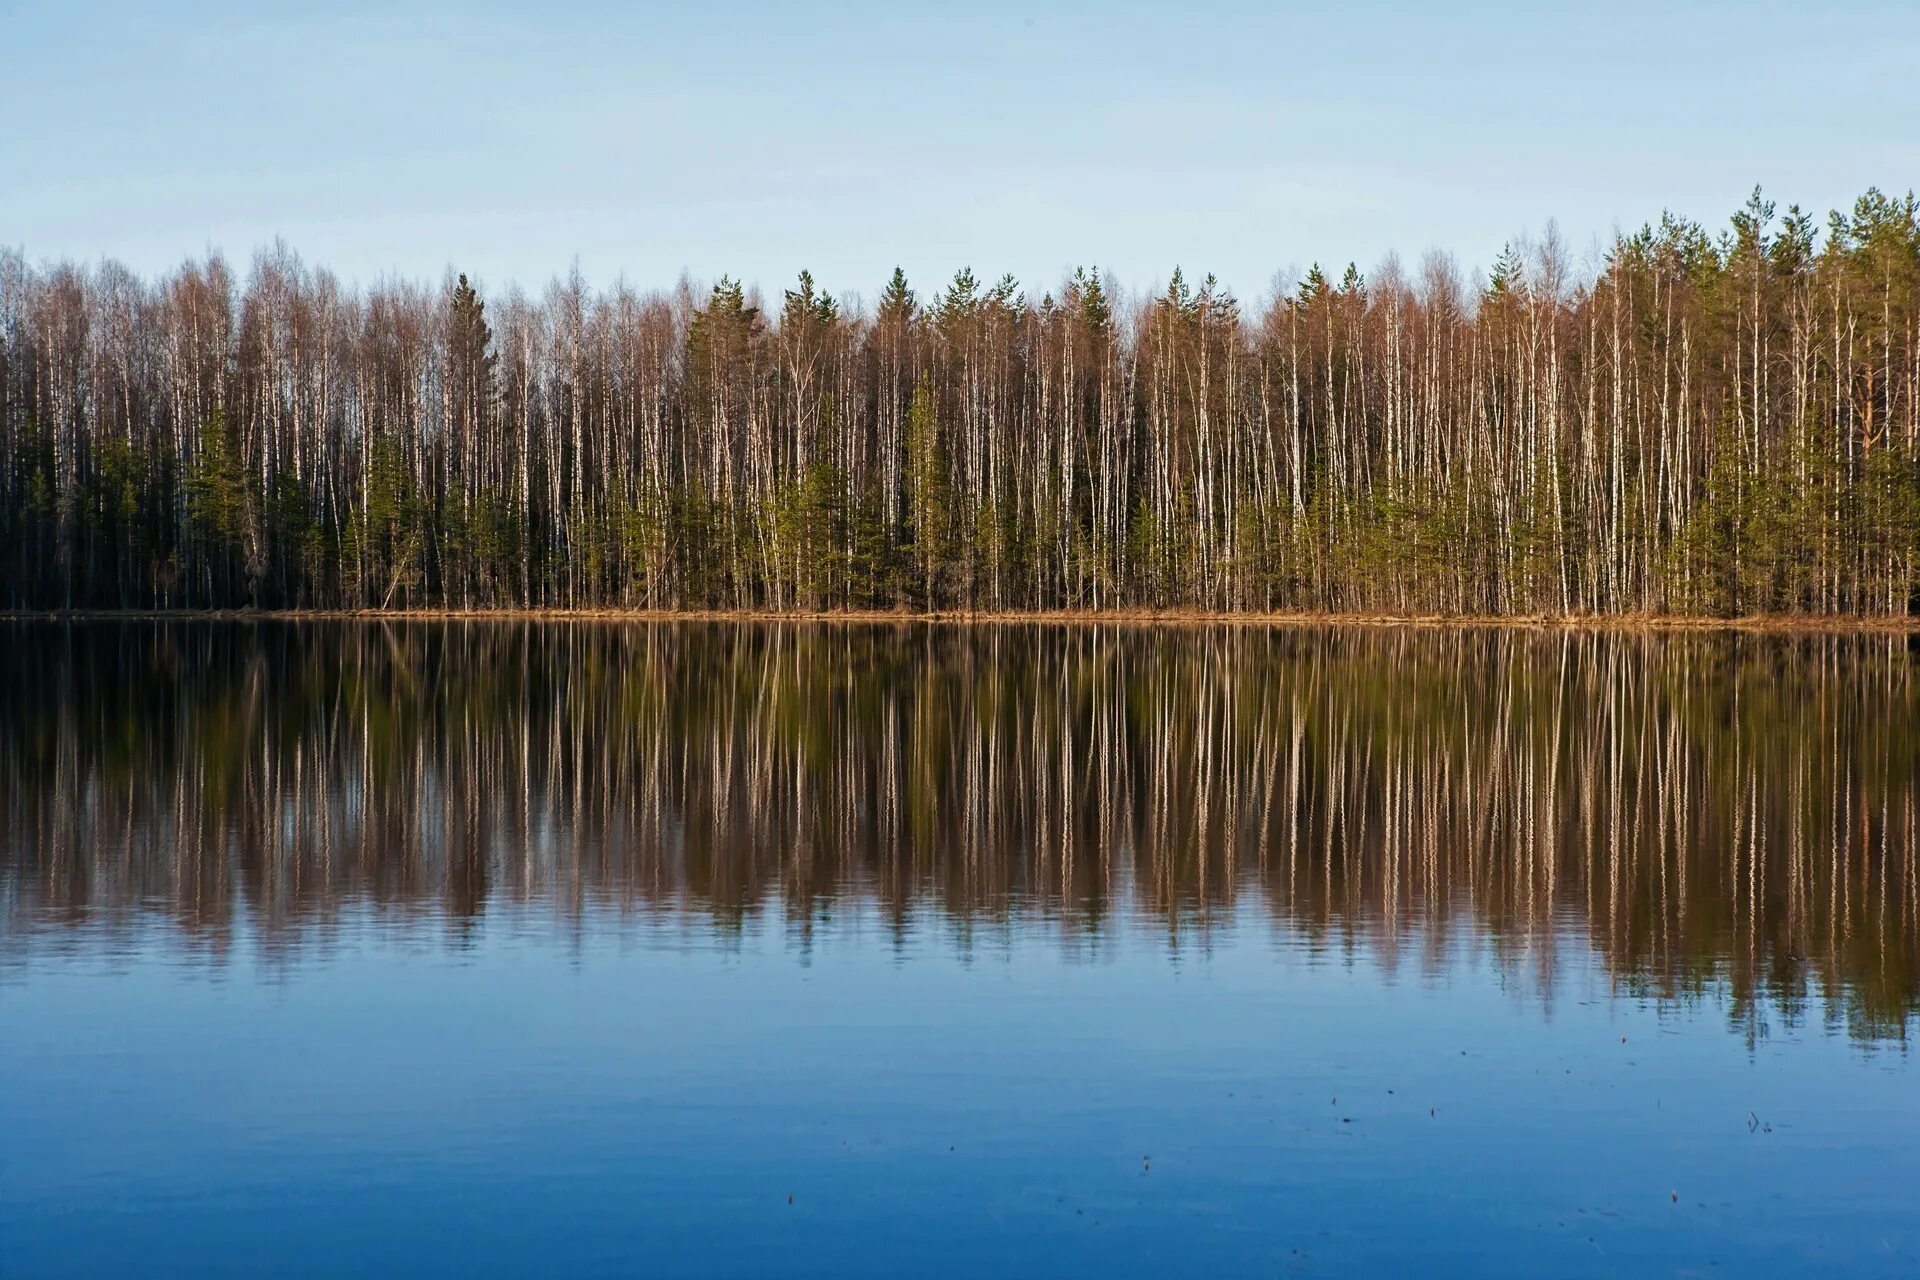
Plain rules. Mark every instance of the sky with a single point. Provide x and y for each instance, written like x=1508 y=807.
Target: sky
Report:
x=1248 y=140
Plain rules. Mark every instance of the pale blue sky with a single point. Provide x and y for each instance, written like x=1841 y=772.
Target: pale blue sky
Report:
x=506 y=140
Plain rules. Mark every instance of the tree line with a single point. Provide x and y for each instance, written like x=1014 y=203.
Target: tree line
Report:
x=1697 y=422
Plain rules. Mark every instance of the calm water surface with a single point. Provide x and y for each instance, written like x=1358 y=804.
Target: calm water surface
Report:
x=482 y=948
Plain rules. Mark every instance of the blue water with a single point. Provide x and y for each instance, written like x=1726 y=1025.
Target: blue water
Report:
x=233 y=1075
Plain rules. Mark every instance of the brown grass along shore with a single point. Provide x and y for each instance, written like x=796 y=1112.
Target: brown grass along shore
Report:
x=1768 y=623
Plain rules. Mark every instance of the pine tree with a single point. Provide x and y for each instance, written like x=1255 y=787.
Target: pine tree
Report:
x=928 y=480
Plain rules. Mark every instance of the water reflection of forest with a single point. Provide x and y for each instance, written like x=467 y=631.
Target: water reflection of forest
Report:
x=1719 y=813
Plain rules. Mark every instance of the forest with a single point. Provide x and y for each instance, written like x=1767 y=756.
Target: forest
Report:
x=1699 y=422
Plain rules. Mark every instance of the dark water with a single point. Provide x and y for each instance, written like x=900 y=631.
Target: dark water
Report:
x=450 y=948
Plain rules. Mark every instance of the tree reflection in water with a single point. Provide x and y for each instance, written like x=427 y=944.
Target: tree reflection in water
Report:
x=1717 y=816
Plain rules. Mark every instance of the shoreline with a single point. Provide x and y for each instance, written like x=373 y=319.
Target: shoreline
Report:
x=1758 y=623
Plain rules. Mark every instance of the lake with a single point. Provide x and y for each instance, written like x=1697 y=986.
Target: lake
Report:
x=706 y=948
